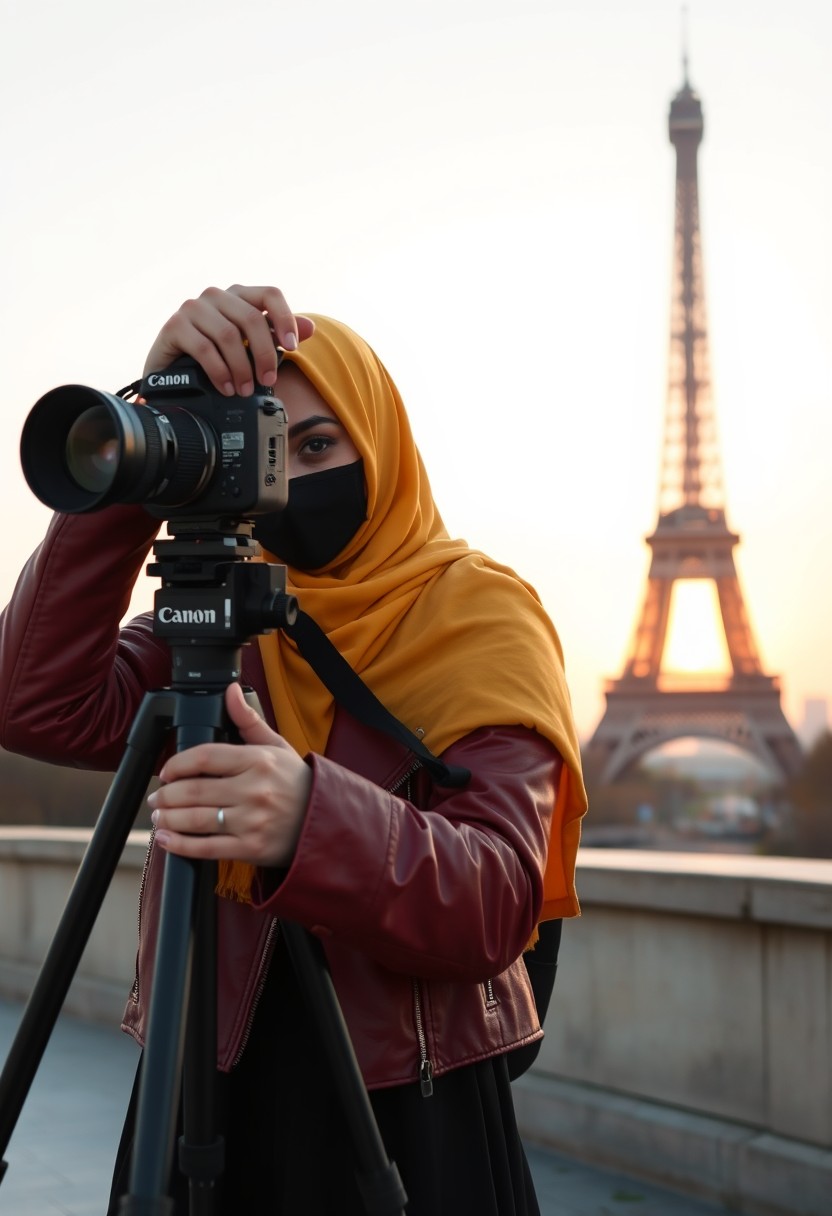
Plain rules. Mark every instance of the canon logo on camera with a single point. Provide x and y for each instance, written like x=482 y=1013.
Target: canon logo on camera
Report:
x=187 y=616
x=168 y=380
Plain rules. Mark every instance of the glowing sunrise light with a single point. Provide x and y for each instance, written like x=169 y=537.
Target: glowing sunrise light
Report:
x=696 y=643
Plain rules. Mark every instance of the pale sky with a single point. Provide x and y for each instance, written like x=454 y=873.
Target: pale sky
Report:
x=485 y=192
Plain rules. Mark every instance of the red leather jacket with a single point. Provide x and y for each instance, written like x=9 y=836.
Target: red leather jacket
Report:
x=423 y=898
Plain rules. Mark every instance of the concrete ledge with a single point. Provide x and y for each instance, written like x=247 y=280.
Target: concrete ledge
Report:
x=37 y=870
x=728 y=1163
x=64 y=846
x=781 y=890
x=778 y=1176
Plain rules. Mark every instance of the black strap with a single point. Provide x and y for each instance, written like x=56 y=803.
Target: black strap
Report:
x=350 y=691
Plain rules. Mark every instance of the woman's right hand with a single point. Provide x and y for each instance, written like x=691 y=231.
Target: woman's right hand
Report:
x=213 y=329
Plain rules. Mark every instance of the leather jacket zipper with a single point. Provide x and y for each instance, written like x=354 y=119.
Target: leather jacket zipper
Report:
x=262 y=974
x=134 y=995
x=404 y=780
x=425 y=1066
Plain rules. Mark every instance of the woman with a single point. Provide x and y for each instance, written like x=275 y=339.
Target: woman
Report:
x=423 y=897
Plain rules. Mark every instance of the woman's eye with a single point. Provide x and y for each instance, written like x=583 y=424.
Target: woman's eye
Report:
x=316 y=445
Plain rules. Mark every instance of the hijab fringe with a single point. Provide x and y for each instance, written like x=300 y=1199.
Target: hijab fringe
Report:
x=235 y=880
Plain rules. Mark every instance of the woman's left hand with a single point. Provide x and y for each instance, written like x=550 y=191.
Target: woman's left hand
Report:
x=261 y=786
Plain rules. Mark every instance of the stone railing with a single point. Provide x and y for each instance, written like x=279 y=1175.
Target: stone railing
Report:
x=689 y=1039
x=37 y=869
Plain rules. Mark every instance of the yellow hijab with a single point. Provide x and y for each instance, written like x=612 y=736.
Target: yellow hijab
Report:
x=446 y=638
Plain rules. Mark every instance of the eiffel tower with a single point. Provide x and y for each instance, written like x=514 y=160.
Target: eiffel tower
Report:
x=645 y=706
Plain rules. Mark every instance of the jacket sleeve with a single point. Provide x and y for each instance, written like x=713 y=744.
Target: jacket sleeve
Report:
x=70 y=682
x=452 y=891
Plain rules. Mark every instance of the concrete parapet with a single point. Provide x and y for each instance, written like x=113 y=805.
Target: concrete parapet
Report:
x=746 y=1170
x=689 y=1039
x=37 y=870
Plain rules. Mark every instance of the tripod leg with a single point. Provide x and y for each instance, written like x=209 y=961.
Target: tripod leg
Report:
x=201 y=1149
x=198 y=718
x=82 y=907
x=162 y=1063
x=377 y=1177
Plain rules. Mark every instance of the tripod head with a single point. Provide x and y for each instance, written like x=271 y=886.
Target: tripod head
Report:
x=214 y=598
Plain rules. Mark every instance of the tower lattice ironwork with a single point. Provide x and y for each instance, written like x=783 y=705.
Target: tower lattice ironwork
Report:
x=645 y=706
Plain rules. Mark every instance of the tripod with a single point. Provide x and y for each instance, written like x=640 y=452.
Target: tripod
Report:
x=213 y=600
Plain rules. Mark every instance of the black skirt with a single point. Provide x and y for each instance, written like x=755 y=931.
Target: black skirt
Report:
x=288 y=1149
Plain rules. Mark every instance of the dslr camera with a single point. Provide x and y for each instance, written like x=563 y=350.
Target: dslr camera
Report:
x=188 y=452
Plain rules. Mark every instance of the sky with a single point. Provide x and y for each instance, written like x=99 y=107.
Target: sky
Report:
x=485 y=192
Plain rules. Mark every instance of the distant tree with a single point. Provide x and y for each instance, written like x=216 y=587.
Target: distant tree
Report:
x=34 y=793
x=811 y=797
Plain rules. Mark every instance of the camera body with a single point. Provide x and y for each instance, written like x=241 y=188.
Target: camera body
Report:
x=243 y=449
x=188 y=452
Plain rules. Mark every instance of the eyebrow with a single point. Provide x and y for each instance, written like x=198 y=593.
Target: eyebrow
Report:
x=307 y=424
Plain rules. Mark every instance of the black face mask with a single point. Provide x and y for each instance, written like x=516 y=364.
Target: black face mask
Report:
x=324 y=512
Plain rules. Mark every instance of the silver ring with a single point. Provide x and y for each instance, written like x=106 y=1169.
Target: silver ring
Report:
x=221 y=820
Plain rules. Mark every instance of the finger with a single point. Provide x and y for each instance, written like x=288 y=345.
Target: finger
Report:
x=188 y=333
x=208 y=760
x=194 y=820
x=197 y=800
x=214 y=341
x=201 y=848
x=260 y=839
x=275 y=327
x=272 y=302
x=251 y=726
x=241 y=334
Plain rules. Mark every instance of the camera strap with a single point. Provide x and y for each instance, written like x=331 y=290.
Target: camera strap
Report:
x=352 y=693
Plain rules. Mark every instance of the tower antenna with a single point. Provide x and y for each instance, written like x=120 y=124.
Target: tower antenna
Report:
x=686 y=83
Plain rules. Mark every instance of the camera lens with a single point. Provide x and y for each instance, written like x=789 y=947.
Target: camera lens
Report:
x=82 y=450
x=92 y=450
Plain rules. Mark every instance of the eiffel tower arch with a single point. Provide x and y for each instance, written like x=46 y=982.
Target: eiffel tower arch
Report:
x=692 y=540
